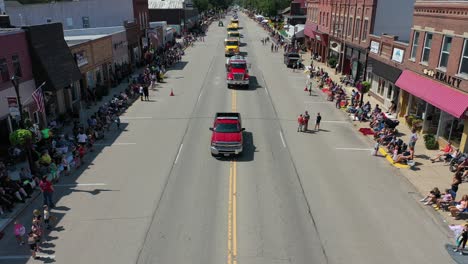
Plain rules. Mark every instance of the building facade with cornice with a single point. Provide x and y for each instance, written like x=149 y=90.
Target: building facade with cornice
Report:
x=435 y=82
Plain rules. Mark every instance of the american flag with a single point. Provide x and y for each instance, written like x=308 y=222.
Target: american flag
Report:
x=39 y=98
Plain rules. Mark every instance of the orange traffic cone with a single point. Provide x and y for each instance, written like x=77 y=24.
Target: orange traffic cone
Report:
x=172 y=93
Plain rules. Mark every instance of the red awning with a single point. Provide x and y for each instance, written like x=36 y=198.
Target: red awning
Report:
x=437 y=94
x=309 y=30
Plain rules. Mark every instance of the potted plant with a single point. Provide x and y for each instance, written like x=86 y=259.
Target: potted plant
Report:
x=431 y=142
x=332 y=61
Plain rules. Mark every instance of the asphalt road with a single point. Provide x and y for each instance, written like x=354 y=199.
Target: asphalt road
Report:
x=154 y=194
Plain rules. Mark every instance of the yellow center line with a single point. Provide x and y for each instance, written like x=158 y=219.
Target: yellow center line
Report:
x=232 y=201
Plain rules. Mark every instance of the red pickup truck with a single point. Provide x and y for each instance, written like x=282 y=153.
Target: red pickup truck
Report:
x=226 y=138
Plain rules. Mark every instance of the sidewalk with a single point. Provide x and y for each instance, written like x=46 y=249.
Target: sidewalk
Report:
x=7 y=218
x=425 y=175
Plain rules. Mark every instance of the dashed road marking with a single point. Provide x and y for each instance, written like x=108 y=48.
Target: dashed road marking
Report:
x=282 y=139
x=357 y=149
x=135 y=117
x=178 y=153
x=115 y=144
x=79 y=184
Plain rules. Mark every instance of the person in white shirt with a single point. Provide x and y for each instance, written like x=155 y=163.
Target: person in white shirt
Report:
x=82 y=138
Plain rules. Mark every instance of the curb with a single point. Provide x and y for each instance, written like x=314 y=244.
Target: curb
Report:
x=15 y=214
x=389 y=159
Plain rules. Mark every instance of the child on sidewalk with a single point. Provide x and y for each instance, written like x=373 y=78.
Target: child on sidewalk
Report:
x=47 y=217
x=20 y=231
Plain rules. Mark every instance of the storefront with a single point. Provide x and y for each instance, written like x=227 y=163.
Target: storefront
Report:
x=320 y=47
x=355 y=62
x=54 y=64
x=133 y=43
x=94 y=57
x=383 y=78
x=442 y=109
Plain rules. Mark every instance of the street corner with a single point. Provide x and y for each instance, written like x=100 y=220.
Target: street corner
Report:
x=388 y=157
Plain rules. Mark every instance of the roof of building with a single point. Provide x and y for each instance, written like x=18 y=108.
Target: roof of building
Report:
x=165 y=4
x=52 y=59
x=7 y=31
x=94 y=31
x=76 y=40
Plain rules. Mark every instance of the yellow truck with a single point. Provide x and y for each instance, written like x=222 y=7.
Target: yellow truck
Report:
x=231 y=46
x=234 y=34
x=232 y=27
x=235 y=21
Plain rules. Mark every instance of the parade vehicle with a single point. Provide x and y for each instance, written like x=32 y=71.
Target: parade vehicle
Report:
x=234 y=34
x=235 y=21
x=232 y=27
x=231 y=46
x=226 y=137
x=237 y=72
x=291 y=58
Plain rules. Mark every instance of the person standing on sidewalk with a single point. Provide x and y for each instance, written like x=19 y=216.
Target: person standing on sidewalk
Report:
x=146 y=92
x=32 y=242
x=306 y=121
x=413 y=138
x=20 y=231
x=47 y=191
x=300 y=123
x=462 y=238
x=317 y=121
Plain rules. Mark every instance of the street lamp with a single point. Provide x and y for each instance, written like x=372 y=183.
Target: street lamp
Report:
x=15 y=81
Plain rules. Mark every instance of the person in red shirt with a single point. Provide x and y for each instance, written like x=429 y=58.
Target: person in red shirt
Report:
x=443 y=152
x=300 y=122
x=47 y=191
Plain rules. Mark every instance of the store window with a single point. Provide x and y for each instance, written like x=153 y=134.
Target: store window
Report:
x=381 y=87
x=4 y=70
x=17 y=65
x=445 y=52
x=464 y=59
x=451 y=128
x=364 y=30
x=427 y=48
x=326 y=21
x=417 y=107
x=350 y=26
x=390 y=89
x=415 y=45
x=357 y=28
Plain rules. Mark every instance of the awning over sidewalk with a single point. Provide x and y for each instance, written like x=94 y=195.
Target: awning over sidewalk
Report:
x=435 y=93
x=384 y=70
x=309 y=30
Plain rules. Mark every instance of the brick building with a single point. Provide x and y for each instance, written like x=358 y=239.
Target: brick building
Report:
x=180 y=13
x=15 y=60
x=384 y=67
x=435 y=82
x=317 y=27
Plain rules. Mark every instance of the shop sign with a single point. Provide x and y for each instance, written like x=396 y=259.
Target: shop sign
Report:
x=335 y=46
x=398 y=55
x=443 y=77
x=13 y=106
x=374 y=47
x=81 y=59
x=318 y=37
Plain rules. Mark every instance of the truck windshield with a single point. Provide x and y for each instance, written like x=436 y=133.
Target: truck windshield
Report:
x=231 y=43
x=238 y=65
x=234 y=34
x=227 y=128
